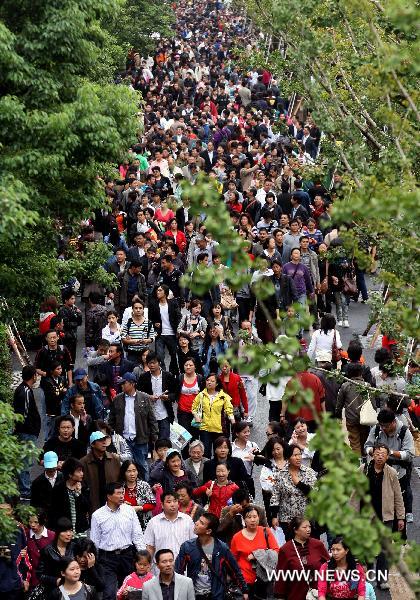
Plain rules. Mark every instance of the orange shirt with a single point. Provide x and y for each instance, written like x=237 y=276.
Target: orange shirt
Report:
x=241 y=547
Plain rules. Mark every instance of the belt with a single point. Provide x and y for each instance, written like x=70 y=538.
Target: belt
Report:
x=118 y=551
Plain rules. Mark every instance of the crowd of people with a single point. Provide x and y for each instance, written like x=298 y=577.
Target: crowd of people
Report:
x=120 y=510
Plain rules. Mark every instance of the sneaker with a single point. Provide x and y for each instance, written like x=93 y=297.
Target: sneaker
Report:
x=409 y=518
x=346 y=323
x=384 y=585
x=340 y=323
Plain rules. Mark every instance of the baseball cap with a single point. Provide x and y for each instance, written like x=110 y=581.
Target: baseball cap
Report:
x=96 y=435
x=79 y=374
x=50 y=460
x=129 y=377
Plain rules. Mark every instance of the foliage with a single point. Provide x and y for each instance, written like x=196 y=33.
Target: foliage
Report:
x=88 y=265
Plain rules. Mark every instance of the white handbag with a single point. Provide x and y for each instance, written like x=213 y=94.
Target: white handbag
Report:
x=368 y=414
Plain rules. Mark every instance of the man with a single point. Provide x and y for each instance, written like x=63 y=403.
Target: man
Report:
x=247 y=337
x=209 y=157
x=350 y=398
x=29 y=428
x=82 y=421
x=96 y=319
x=303 y=196
x=291 y=240
x=43 y=485
x=115 y=531
x=309 y=143
x=170 y=276
x=208 y=561
x=398 y=438
x=63 y=443
x=170 y=528
x=15 y=568
x=96 y=358
x=297 y=209
x=138 y=251
x=387 y=501
x=165 y=315
x=162 y=388
x=90 y=391
x=132 y=283
x=72 y=319
x=119 y=264
x=186 y=504
x=100 y=468
x=284 y=291
x=231 y=519
x=54 y=352
x=168 y=585
x=131 y=415
x=116 y=366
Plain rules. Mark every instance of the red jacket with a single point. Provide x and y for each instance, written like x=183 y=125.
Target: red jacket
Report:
x=180 y=239
x=236 y=390
x=219 y=497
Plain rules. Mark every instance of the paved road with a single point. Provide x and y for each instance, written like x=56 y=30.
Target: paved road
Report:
x=358 y=319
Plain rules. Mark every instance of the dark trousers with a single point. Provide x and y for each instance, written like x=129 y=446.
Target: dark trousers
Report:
x=12 y=595
x=274 y=410
x=169 y=342
x=184 y=419
x=361 y=284
x=381 y=561
x=116 y=568
x=208 y=437
x=244 y=307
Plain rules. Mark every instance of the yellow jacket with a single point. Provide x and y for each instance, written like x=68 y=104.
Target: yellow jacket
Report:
x=212 y=412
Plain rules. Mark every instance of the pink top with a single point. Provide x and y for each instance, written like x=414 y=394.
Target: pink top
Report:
x=164 y=218
x=341 y=588
x=133 y=581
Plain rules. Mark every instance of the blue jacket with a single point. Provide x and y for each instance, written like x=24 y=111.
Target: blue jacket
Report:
x=11 y=571
x=96 y=410
x=223 y=563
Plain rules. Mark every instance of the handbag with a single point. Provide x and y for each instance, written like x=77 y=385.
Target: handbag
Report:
x=207 y=505
x=349 y=286
x=232 y=592
x=335 y=352
x=227 y=299
x=38 y=593
x=195 y=423
x=368 y=414
x=311 y=594
x=416 y=437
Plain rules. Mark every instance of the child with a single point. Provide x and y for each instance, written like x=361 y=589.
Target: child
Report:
x=219 y=491
x=135 y=581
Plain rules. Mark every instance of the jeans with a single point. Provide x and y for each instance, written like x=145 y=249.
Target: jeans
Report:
x=24 y=477
x=251 y=388
x=116 y=568
x=140 y=452
x=169 y=342
x=361 y=283
x=208 y=437
x=164 y=428
x=341 y=306
x=49 y=426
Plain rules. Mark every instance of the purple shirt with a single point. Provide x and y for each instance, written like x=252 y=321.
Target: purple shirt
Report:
x=301 y=277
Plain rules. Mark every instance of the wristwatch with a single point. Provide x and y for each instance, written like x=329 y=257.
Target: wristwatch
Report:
x=391 y=452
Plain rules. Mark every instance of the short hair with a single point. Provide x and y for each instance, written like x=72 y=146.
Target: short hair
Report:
x=67 y=294
x=222 y=440
x=28 y=372
x=41 y=515
x=354 y=370
x=382 y=355
x=290 y=448
x=240 y=496
x=117 y=346
x=380 y=445
x=82 y=545
x=184 y=485
x=167 y=257
x=163 y=443
x=95 y=297
x=104 y=343
x=162 y=551
x=201 y=256
x=73 y=398
x=386 y=416
x=64 y=418
x=120 y=249
x=135 y=264
x=151 y=357
x=112 y=312
x=212 y=522
x=112 y=486
x=166 y=494
x=296 y=522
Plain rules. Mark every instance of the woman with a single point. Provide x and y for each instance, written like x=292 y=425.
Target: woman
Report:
x=223 y=454
x=70 y=498
x=138 y=333
x=301 y=438
x=49 y=571
x=196 y=460
x=221 y=321
x=315 y=235
x=142 y=366
x=137 y=493
x=218 y=491
x=178 y=236
x=344 y=567
x=291 y=489
x=116 y=443
x=184 y=352
x=54 y=387
x=244 y=543
x=233 y=385
x=86 y=554
x=301 y=276
x=112 y=331
x=38 y=537
x=190 y=385
x=324 y=297
x=209 y=408
x=48 y=310
x=245 y=221
x=173 y=472
x=194 y=325
x=270 y=249
x=321 y=346
x=338 y=268
x=71 y=586
x=301 y=553
x=244 y=449
x=275 y=462
x=163 y=214
x=214 y=347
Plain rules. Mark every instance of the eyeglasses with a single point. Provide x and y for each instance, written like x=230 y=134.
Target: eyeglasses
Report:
x=268 y=433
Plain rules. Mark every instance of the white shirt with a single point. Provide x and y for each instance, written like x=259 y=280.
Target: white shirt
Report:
x=243 y=453
x=76 y=425
x=166 y=325
x=129 y=418
x=128 y=314
x=320 y=347
x=159 y=408
x=44 y=533
x=113 y=337
x=116 y=529
x=52 y=479
x=163 y=533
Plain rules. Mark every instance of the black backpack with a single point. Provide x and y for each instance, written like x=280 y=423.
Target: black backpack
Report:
x=405 y=464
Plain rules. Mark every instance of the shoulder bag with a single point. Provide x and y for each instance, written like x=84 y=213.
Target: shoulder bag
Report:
x=311 y=594
x=368 y=414
x=335 y=352
x=207 y=505
x=231 y=593
x=195 y=423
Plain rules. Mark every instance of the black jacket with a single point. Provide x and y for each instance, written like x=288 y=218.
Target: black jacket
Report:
x=169 y=383
x=121 y=294
x=126 y=366
x=41 y=491
x=54 y=391
x=208 y=164
x=49 y=568
x=180 y=217
x=237 y=471
x=24 y=404
x=72 y=318
x=173 y=311
x=60 y=507
x=288 y=294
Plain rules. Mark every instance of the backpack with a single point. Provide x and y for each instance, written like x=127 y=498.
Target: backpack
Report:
x=130 y=321
x=405 y=464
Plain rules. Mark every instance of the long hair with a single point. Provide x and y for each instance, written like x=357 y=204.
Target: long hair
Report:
x=351 y=562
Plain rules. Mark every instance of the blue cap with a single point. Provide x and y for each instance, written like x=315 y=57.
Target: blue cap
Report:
x=50 y=460
x=78 y=374
x=97 y=435
x=129 y=377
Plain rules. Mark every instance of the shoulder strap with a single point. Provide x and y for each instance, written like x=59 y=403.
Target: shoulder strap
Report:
x=296 y=268
x=203 y=554
x=266 y=538
x=64 y=593
x=130 y=320
x=402 y=433
x=377 y=428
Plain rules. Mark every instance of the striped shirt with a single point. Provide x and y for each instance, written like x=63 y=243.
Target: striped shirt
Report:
x=138 y=332
x=116 y=529
x=163 y=533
